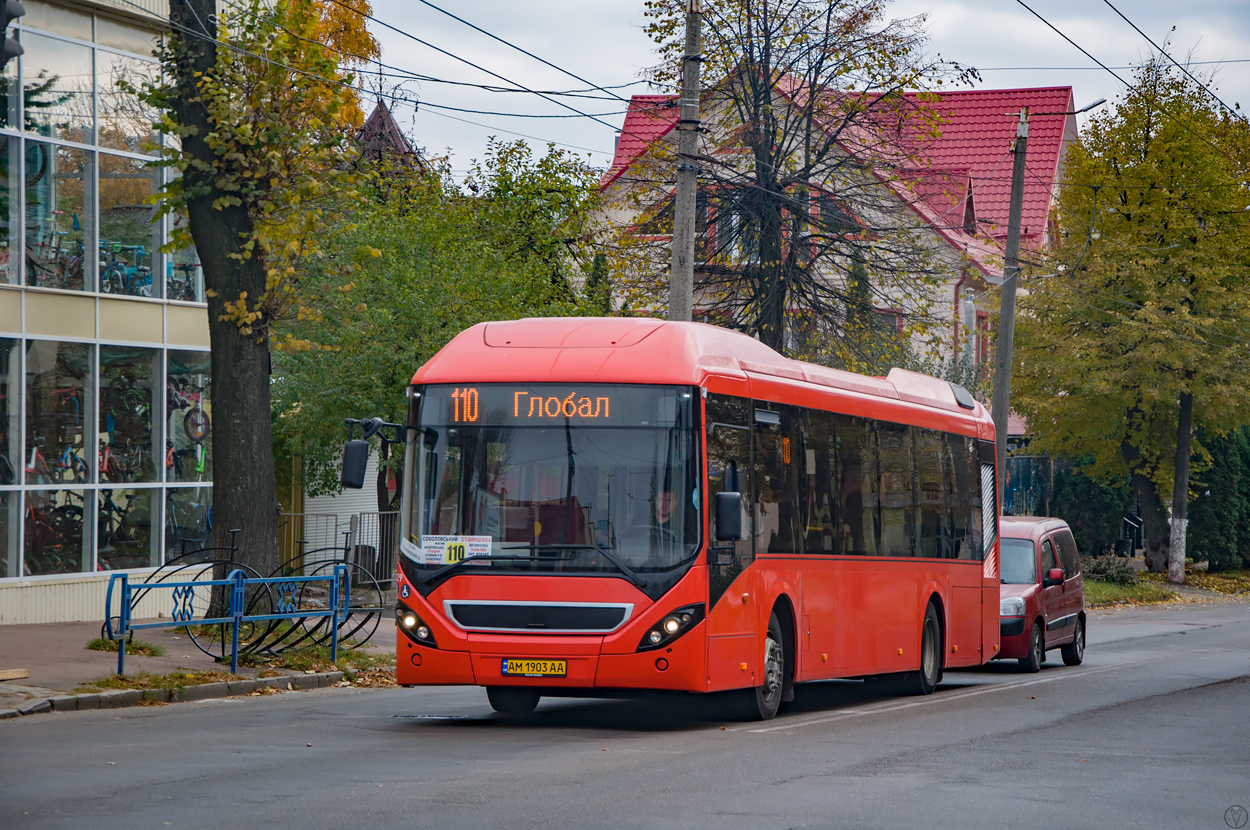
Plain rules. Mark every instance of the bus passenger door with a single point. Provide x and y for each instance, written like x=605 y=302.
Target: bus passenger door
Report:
x=732 y=612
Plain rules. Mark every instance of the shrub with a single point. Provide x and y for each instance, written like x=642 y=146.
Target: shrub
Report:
x=1217 y=517
x=1109 y=569
x=1094 y=510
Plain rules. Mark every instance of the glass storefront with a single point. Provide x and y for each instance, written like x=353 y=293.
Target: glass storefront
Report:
x=75 y=142
x=118 y=432
x=189 y=408
x=129 y=450
x=59 y=392
x=105 y=448
x=188 y=520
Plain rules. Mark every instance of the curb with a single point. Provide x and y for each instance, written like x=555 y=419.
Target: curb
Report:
x=206 y=691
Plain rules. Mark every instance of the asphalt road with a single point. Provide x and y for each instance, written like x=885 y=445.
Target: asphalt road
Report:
x=1152 y=731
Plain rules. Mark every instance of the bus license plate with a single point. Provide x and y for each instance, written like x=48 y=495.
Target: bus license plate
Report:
x=535 y=668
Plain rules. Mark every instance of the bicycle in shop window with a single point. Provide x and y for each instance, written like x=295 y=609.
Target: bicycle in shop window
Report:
x=186 y=397
x=53 y=533
x=71 y=467
x=128 y=425
x=37 y=469
x=120 y=276
x=186 y=464
x=187 y=519
x=67 y=408
x=123 y=526
x=182 y=282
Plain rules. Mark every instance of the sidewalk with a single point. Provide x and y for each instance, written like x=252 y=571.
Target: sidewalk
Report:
x=58 y=662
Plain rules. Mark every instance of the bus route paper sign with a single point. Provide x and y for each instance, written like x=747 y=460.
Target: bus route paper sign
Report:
x=448 y=550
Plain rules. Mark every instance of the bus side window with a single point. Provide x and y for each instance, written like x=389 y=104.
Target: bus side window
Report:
x=728 y=463
x=898 y=499
x=779 y=457
x=856 y=484
x=963 y=485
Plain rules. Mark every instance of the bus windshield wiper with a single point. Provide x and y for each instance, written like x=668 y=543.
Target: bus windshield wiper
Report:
x=629 y=572
x=639 y=581
x=446 y=569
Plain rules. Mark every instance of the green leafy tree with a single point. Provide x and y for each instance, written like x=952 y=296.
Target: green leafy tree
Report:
x=805 y=121
x=256 y=109
x=515 y=245
x=1120 y=358
x=1219 y=524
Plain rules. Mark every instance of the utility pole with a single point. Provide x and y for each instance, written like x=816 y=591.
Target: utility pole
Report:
x=1001 y=405
x=681 y=277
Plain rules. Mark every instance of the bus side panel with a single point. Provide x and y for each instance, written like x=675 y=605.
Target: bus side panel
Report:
x=963 y=641
x=881 y=631
x=819 y=621
x=990 y=625
x=732 y=637
x=732 y=662
x=964 y=646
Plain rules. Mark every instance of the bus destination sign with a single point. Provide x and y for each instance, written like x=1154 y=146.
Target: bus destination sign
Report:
x=543 y=404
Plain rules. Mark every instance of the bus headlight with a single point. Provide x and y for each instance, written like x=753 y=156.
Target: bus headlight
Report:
x=1011 y=607
x=671 y=626
x=413 y=626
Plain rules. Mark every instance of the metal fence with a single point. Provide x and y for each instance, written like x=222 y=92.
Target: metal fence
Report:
x=369 y=540
x=374 y=541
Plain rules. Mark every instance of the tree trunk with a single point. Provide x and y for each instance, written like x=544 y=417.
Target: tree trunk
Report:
x=1154 y=523
x=1180 y=490
x=244 y=494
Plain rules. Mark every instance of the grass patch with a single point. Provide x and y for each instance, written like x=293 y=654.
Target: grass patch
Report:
x=134 y=647
x=171 y=680
x=1105 y=595
x=317 y=658
x=1231 y=583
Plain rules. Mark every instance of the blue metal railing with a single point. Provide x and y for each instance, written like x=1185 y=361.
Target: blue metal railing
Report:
x=286 y=606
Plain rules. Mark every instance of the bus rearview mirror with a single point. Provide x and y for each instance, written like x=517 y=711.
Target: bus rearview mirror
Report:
x=355 y=460
x=728 y=516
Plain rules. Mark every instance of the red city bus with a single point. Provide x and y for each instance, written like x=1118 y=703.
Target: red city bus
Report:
x=600 y=506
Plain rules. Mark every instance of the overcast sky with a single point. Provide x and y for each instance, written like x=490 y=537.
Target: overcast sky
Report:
x=603 y=42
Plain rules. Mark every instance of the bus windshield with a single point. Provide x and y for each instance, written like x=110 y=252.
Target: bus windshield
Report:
x=553 y=478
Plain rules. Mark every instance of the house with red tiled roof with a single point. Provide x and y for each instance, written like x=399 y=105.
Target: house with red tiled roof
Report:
x=955 y=184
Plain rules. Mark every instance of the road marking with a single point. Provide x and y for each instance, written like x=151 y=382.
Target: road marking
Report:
x=930 y=699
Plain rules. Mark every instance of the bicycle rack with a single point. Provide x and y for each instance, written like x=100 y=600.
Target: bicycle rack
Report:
x=184 y=593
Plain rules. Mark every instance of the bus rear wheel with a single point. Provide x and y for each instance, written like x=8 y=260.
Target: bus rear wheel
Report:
x=921 y=682
x=512 y=700
x=763 y=701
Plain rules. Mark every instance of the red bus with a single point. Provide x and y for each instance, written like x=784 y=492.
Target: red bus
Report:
x=599 y=506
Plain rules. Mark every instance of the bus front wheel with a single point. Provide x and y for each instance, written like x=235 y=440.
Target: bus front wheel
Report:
x=512 y=700
x=763 y=701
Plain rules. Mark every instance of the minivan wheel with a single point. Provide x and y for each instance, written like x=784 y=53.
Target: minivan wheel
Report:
x=1037 y=650
x=512 y=700
x=1074 y=653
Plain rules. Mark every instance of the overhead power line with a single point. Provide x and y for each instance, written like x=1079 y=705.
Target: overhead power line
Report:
x=1092 y=68
x=1164 y=52
x=394 y=97
x=1113 y=74
x=468 y=62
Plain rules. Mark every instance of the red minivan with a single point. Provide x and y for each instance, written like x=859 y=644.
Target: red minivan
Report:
x=1042 y=597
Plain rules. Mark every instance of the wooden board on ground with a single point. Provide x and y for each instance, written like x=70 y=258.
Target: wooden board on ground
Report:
x=14 y=674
